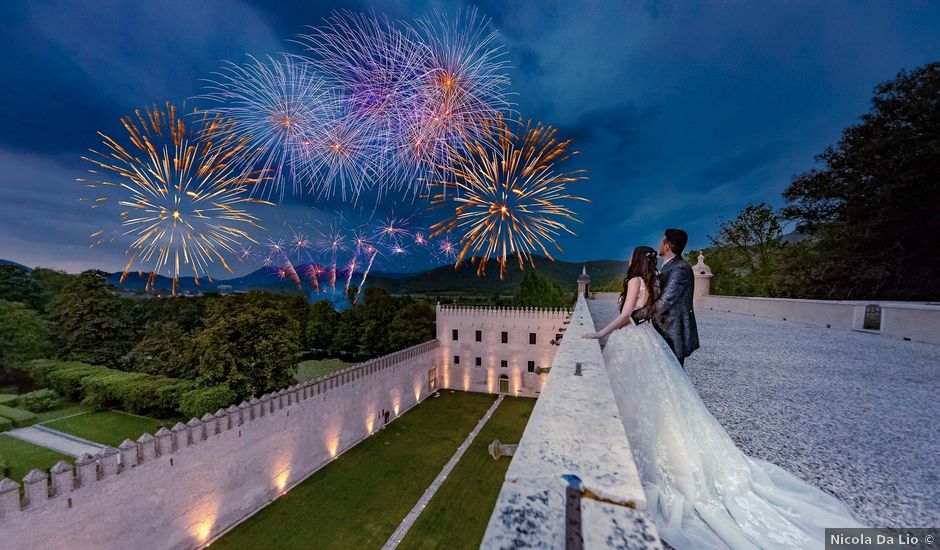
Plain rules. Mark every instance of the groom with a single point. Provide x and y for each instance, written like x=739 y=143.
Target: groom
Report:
x=676 y=320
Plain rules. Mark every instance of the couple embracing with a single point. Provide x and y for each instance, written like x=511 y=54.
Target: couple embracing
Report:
x=702 y=491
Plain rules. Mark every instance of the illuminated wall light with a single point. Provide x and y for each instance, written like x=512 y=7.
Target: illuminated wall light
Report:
x=280 y=481
x=332 y=445
x=370 y=422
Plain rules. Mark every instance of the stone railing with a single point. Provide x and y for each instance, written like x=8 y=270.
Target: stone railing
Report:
x=573 y=482
x=908 y=320
x=181 y=487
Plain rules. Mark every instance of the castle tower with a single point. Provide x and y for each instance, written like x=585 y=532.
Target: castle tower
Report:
x=584 y=282
x=703 y=283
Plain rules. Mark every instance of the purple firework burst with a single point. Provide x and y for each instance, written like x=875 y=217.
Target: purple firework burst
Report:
x=278 y=105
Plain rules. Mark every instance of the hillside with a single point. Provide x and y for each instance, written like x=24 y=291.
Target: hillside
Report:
x=443 y=279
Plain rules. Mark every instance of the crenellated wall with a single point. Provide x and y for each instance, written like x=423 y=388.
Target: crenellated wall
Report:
x=517 y=351
x=180 y=488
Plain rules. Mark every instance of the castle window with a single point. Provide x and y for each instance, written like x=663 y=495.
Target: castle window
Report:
x=456 y=359
x=531 y=367
x=479 y=336
x=479 y=361
x=453 y=334
x=505 y=337
x=504 y=363
x=532 y=338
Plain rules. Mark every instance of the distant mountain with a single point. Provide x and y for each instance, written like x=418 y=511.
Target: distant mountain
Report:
x=10 y=262
x=447 y=279
x=444 y=279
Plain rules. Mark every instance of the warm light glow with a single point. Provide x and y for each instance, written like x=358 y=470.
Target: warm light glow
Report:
x=466 y=381
x=281 y=480
x=204 y=517
x=396 y=401
x=332 y=445
x=418 y=393
x=370 y=422
x=490 y=380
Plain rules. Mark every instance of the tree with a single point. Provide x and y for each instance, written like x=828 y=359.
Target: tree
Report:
x=744 y=252
x=23 y=336
x=16 y=285
x=873 y=204
x=321 y=324
x=248 y=343
x=91 y=323
x=535 y=290
x=51 y=284
x=412 y=325
x=164 y=349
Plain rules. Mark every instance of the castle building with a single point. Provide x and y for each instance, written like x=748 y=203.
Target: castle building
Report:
x=498 y=350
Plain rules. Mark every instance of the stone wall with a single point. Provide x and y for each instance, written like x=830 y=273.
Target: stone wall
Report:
x=460 y=356
x=180 y=488
x=914 y=321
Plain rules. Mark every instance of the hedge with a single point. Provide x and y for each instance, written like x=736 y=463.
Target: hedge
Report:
x=134 y=392
x=5 y=424
x=196 y=403
x=8 y=398
x=39 y=400
x=19 y=417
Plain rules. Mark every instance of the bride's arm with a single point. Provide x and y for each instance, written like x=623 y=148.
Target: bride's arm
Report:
x=633 y=289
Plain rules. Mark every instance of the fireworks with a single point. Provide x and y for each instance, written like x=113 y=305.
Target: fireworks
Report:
x=464 y=83
x=506 y=192
x=281 y=107
x=379 y=70
x=181 y=190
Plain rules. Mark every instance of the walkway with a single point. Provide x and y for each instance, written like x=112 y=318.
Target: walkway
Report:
x=412 y=516
x=56 y=440
x=851 y=412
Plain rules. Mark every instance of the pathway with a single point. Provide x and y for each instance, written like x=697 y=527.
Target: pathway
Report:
x=852 y=413
x=56 y=440
x=412 y=516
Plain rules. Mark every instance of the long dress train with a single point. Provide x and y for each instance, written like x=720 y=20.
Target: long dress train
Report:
x=703 y=492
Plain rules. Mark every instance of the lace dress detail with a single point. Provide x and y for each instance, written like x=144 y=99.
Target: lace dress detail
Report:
x=703 y=492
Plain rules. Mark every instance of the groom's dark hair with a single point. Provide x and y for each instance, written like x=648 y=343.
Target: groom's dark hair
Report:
x=677 y=239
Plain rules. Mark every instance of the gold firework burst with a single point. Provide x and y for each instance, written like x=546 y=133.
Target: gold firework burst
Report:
x=180 y=191
x=506 y=191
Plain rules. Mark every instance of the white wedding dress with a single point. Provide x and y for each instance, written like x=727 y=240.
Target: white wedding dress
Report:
x=703 y=492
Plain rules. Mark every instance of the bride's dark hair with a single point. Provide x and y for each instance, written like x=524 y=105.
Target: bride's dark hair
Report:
x=643 y=265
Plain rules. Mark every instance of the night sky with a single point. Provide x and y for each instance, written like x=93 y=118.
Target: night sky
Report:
x=684 y=112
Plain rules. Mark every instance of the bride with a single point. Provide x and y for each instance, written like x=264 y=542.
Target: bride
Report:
x=703 y=492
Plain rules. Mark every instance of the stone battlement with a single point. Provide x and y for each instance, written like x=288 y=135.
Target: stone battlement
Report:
x=102 y=483
x=502 y=312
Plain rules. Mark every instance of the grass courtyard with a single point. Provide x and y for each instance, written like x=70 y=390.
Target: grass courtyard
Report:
x=456 y=517
x=358 y=500
x=21 y=457
x=108 y=427
x=315 y=368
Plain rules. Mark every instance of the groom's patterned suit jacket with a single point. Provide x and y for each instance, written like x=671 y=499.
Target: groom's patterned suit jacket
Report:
x=676 y=319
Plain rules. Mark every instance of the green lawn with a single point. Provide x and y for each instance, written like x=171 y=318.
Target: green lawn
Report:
x=108 y=428
x=456 y=517
x=21 y=457
x=67 y=408
x=358 y=500
x=314 y=368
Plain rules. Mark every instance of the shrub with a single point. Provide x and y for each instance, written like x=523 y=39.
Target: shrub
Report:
x=4 y=468
x=5 y=424
x=39 y=400
x=196 y=403
x=19 y=417
x=103 y=388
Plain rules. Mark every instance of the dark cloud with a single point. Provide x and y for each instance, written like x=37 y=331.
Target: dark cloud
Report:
x=683 y=112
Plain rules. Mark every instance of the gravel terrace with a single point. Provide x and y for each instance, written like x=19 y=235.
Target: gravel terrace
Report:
x=856 y=414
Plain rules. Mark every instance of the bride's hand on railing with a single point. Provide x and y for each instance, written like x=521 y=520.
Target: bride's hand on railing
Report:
x=592 y=336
